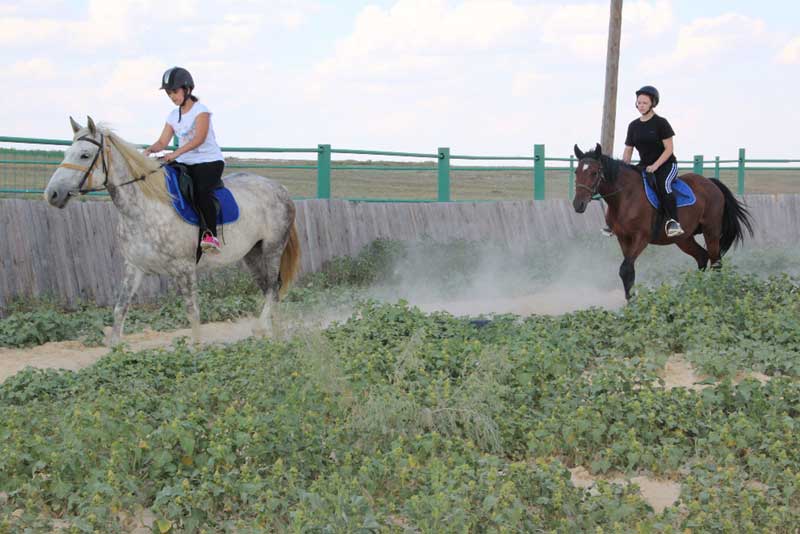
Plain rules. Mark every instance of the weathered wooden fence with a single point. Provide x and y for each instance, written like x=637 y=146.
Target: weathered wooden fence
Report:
x=71 y=254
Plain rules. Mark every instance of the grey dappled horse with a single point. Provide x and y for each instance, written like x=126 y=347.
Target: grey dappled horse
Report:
x=154 y=239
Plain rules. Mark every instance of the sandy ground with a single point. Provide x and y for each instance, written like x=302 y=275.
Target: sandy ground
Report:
x=73 y=355
x=657 y=493
x=555 y=301
x=679 y=373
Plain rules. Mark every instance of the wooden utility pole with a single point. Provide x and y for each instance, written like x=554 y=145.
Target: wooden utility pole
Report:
x=612 y=70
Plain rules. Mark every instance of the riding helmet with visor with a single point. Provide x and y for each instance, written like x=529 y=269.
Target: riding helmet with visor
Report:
x=650 y=91
x=175 y=78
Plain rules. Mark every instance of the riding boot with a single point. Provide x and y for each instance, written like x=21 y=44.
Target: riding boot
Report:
x=672 y=227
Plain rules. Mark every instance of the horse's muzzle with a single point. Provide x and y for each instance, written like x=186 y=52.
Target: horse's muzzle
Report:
x=56 y=198
x=580 y=204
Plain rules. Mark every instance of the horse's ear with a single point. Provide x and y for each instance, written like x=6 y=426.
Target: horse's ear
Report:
x=90 y=124
x=578 y=153
x=598 y=150
x=75 y=126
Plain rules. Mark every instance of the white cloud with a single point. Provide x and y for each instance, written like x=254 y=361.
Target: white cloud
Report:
x=292 y=19
x=415 y=43
x=19 y=30
x=583 y=29
x=526 y=81
x=30 y=7
x=31 y=70
x=234 y=32
x=431 y=27
x=706 y=39
x=790 y=53
x=134 y=78
x=482 y=76
x=289 y=14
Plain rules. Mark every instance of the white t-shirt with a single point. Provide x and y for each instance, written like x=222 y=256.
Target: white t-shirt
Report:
x=185 y=130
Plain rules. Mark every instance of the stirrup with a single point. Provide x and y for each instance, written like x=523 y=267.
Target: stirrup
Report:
x=673 y=231
x=606 y=231
x=209 y=243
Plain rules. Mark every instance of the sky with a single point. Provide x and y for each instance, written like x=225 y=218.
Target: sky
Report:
x=483 y=77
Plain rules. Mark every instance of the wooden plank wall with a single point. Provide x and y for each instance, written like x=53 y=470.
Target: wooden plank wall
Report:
x=71 y=254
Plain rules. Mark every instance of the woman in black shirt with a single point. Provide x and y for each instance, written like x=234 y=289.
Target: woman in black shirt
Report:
x=651 y=135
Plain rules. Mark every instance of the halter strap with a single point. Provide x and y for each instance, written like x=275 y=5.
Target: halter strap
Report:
x=87 y=171
x=594 y=190
x=104 y=154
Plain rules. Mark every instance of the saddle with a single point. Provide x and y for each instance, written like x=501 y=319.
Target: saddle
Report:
x=181 y=189
x=684 y=196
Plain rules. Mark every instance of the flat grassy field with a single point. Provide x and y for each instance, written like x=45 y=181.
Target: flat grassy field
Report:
x=416 y=181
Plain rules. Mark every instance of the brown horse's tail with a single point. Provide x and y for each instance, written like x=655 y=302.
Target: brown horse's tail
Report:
x=735 y=218
x=290 y=261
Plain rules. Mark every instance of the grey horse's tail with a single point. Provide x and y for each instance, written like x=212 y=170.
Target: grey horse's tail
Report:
x=290 y=260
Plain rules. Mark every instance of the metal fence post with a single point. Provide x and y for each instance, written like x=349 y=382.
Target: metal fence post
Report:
x=571 y=184
x=741 y=171
x=698 y=165
x=443 y=168
x=324 y=171
x=716 y=167
x=538 y=172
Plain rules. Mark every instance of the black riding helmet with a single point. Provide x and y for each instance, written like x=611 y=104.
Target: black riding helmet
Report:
x=175 y=78
x=650 y=91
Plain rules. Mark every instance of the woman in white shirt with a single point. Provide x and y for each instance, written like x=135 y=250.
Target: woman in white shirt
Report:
x=197 y=149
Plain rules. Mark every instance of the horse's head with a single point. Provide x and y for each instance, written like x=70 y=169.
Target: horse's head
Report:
x=587 y=177
x=85 y=165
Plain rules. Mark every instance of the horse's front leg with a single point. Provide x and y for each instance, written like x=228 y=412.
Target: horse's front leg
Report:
x=631 y=248
x=187 y=286
x=130 y=283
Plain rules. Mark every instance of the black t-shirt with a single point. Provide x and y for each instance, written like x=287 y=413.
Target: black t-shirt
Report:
x=648 y=139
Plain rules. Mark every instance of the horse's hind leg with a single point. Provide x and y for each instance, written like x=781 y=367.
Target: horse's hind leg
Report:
x=712 y=242
x=266 y=270
x=693 y=249
x=130 y=283
x=187 y=287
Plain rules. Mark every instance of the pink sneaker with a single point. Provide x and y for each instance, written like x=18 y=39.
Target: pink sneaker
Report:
x=210 y=243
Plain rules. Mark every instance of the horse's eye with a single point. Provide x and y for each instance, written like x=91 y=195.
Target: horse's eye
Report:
x=85 y=155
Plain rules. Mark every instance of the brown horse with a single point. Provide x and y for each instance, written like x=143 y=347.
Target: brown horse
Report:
x=716 y=213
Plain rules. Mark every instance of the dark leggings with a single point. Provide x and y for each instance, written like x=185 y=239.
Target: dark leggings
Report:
x=206 y=177
x=665 y=177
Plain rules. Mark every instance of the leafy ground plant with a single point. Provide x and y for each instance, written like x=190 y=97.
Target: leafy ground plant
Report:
x=396 y=420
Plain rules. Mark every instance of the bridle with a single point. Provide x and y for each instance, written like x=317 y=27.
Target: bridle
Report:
x=104 y=155
x=595 y=187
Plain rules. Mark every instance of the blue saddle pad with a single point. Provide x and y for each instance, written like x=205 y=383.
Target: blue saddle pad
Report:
x=228 y=212
x=684 y=196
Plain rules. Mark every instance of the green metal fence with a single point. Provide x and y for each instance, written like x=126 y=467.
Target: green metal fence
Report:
x=26 y=171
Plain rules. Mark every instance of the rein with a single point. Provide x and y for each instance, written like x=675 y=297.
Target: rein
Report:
x=104 y=154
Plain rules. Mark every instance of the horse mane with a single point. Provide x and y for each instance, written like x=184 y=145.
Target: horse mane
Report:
x=153 y=185
x=611 y=166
